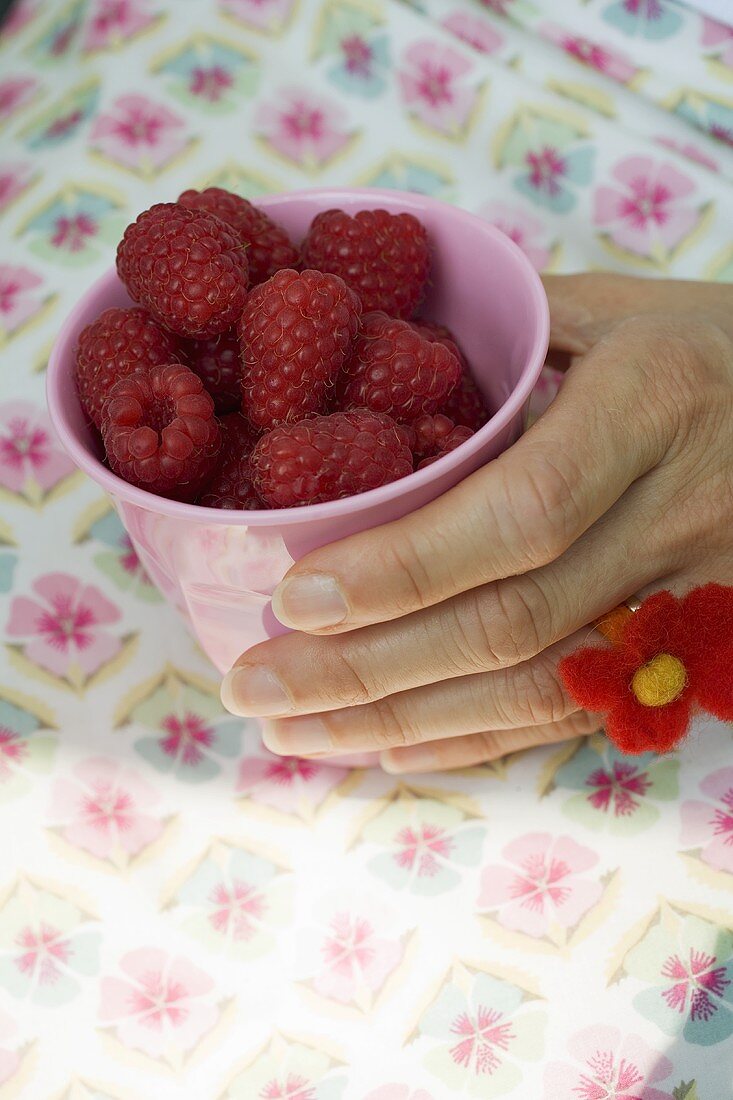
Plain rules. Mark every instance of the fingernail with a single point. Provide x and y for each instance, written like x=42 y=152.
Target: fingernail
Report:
x=297 y=736
x=310 y=602
x=418 y=758
x=253 y=691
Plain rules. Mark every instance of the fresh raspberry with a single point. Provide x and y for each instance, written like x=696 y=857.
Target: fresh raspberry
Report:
x=218 y=363
x=466 y=406
x=231 y=485
x=448 y=443
x=392 y=369
x=383 y=257
x=329 y=457
x=268 y=246
x=439 y=334
x=188 y=268
x=295 y=332
x=119 y=342
x=431 y=434
x=160 y=432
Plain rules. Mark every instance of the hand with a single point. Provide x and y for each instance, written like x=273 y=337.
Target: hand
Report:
x=436 y=639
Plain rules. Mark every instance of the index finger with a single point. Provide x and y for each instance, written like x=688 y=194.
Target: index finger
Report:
x=518 y=513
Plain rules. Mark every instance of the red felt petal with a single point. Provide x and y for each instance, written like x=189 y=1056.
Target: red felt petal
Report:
x=635 y=729
x=654 y=628
x=596 y=678
x=712 y=685
x=707 y=626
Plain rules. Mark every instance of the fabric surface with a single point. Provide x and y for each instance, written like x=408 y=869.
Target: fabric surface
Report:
x=182 y=914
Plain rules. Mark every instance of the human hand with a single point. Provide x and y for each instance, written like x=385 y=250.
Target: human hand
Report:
x=436 y=639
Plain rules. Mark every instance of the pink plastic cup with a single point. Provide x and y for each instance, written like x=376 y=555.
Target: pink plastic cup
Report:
x=220 y=568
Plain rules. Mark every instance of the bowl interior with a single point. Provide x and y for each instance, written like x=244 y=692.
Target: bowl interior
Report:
x=482 y=287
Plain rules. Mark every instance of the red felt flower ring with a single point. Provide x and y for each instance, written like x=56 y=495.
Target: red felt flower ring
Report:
x=668 y=659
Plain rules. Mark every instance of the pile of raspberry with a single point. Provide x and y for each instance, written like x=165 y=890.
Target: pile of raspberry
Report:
x=253 y=373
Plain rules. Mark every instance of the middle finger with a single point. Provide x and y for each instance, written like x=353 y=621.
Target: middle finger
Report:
x=527 y=694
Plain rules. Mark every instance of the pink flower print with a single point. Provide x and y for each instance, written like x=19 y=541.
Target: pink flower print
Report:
x=15 y=92
x=18 y=302
x=294 y=1087
x=162 y=1002
x=646 y=212
x=114 y=21
x=10 y=1058
x=687 y=149
x=106 y=808
x=607 y=1066
x=210 y=83
x=42 y=953
x=64 y=124
x=303 y=126
x=357 y=55
x=524 y=229
x=28 y=449
x=63 y=625
x=186 y=737
x=718 y=39
x=13 y=749
x=603 y=59
x=709 y=825
x=482 y=1038
x=265 y=15
x=354 y=958
x=73 y=232
x=236 y=909
x=419 y=846
x=544 y=886
x=431 y=81
x=693 y=979
x=139 y=134
x=617 y=790
x=474 y=31
x=14 y=180
x=546 y=169
x=287 y=783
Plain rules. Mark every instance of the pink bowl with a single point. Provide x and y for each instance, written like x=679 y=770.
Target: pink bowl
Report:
x=220 y=567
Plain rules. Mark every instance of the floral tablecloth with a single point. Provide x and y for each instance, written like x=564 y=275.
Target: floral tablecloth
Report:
x=182 y=914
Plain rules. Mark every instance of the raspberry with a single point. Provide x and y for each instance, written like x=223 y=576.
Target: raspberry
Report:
x=188 y=268
x=466 y=405
x=431 y=434
x=447 y=443
x=295 y=332
x=383 y=257
x=329 y=457
x=268 y=246
x=392 y=369
x=231 y=485
x=439 y=334
x=160 y=432
x=218 y=364
x=119 y=342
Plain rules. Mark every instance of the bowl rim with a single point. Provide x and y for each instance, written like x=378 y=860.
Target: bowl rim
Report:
x=412 y=203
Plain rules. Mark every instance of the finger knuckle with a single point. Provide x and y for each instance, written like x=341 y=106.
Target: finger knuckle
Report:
x=390 y=727
x=355 y=673
x=410 y=557
x=544 y=507
x=536 y=695
x=522 y=626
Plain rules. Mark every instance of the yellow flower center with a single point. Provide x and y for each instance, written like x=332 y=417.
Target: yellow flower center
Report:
x=659 y=682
